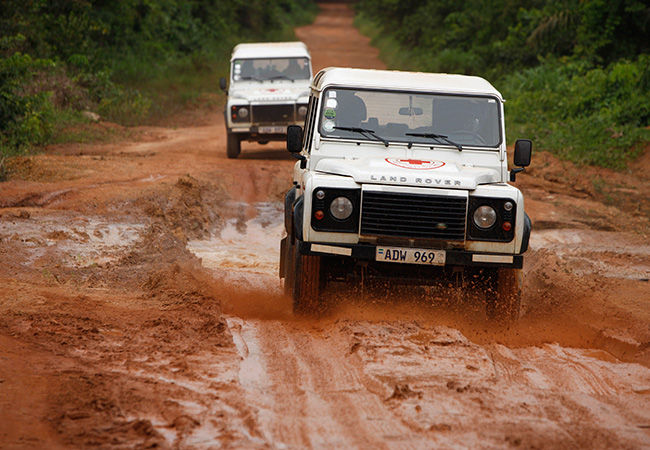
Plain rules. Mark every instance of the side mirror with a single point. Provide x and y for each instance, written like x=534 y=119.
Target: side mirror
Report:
x=523 y=151
x=222 y=83
x=294 y=138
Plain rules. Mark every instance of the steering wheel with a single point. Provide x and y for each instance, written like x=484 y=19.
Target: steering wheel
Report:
x=474 y=135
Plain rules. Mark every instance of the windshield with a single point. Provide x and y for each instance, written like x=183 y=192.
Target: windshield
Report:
x=464 y=120
x=271 y=69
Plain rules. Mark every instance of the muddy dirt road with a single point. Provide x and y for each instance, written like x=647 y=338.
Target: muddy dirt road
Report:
x=140 y=307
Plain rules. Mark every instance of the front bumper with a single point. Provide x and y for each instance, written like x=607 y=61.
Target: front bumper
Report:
x=367 y=252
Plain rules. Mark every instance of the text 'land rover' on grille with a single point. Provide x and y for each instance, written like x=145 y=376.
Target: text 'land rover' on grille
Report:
x=269 y=89
x=403 y=177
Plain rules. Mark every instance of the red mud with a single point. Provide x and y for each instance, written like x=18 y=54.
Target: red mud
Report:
x=113 y=333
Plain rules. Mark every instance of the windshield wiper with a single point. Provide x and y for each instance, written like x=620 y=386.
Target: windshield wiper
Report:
x=281 y=77
x=250 y=78
x=365 y=132
x=438 y=137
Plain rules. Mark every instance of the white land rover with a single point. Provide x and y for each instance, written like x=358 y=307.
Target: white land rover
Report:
x=269 y=89
x=404 y=177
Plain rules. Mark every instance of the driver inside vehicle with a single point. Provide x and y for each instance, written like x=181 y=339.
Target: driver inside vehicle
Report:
x=352 y=110
x=461 y=118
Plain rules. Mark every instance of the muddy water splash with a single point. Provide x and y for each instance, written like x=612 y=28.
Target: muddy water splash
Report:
x=415 y=372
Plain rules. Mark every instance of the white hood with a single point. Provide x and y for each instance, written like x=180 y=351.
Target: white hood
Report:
x=409 y=172
x=270 y=92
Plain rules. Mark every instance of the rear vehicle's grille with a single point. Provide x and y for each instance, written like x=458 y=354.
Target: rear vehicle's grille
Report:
x=280 y=114
x=413 y=216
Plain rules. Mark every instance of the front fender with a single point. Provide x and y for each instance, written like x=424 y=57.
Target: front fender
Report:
x=528 y=227
x=289 y=200
x=298 y=211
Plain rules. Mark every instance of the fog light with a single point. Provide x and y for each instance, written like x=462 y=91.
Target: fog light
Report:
x=319 y=215
x=507 y=226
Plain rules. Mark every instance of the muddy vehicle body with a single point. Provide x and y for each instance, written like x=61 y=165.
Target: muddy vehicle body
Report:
x=268 y=91
x=404 y=177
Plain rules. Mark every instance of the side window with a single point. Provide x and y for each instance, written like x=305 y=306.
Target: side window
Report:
x=309 y=124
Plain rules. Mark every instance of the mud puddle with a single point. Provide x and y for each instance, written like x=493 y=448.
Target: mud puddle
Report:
x=246 y=251
x=394 y=374
x=591 y=252
x=79 y=241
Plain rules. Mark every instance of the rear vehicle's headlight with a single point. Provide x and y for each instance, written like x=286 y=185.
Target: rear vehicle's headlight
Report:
x=240 y=113
x=341 y=208
x=485 y=216
x=302 y=111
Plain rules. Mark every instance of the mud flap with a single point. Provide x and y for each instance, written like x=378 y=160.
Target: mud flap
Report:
x=528 y=227
x=289 y=199
x=283 y=257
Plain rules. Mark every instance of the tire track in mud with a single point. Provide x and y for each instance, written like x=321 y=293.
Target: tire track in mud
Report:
x=307 y=393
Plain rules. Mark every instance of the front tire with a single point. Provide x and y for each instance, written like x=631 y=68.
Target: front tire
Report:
x=306 y=282
x=287 y=263
x=504 y=298
x=233 y=146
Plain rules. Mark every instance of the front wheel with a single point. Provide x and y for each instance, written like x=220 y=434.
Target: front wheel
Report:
x=306 y=282
x=504 y=299
x=287 y=264
x=233 y=146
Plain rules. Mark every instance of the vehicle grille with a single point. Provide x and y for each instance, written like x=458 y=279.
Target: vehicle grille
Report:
x=413 y=216
x=280 y=114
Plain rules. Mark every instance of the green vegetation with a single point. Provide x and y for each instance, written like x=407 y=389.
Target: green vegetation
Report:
x=576 y=73
x=131 y=61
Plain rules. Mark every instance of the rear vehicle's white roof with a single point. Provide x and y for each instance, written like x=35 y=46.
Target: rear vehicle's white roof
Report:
x=407 y=81
x=270 y=50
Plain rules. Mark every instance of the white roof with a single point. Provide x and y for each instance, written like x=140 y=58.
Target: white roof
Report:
x=270 y=50
x=408 y=81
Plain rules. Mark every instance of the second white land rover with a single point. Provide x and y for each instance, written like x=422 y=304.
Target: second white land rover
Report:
x=269 y=90
x=404 y=177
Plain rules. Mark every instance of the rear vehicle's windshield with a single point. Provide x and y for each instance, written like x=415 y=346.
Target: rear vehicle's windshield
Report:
x=271 y=69
x=465 y=120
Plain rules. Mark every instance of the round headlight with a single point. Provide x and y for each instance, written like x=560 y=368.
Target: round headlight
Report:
x=302 y=111
x=485 y=216
x=242 y=112
x=341 y=208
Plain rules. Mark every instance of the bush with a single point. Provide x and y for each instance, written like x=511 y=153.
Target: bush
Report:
x=586 y=114
x=25 y=119
x=132 y=61
x=576 y=74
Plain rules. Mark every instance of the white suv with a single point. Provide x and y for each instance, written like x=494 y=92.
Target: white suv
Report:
x=269 y=89
x=404 y=177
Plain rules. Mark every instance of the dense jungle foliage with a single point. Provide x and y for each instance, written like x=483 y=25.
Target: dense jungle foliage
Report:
x=575 y=73
x=131 y=61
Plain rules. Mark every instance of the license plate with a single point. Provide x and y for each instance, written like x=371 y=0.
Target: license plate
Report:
x=272 y=130
x=411 y=255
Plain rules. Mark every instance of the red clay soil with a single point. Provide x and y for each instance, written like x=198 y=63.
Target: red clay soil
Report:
x=115 y=334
